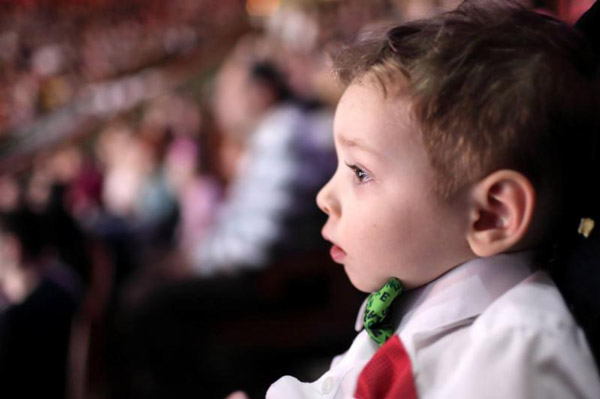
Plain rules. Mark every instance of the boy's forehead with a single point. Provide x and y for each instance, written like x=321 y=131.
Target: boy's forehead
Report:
x=365 y=115
x=358 y=143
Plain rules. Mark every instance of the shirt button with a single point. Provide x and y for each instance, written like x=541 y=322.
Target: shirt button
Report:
x=327 y=385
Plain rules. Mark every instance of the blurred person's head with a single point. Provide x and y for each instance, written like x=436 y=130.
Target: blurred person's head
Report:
x=127 y=159
x=172 y=112
x=268 y=83
x=246 y=87
x=166 y=119
x=65 y=163
x=10 y=193
x=228 y=106
x=410 y=10
x=113 y=141
x=39 y=183
x=22 y=251
x=56 y=167
x=181 y=162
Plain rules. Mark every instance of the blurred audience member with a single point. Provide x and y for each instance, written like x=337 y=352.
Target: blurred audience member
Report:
x=35 y=328
x=268 y=209
x=122 y=158
x=198 y=193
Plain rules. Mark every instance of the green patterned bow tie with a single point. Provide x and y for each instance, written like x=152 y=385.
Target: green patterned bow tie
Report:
x=378 y=303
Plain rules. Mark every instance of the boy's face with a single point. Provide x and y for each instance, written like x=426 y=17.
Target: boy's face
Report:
x=384 y=219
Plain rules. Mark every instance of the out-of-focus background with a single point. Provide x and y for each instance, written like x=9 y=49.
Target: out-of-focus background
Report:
x=158 y=167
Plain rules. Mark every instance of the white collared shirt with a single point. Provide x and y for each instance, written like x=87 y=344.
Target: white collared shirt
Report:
x=490 y=328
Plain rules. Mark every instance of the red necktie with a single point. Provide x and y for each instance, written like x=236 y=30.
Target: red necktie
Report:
x=388 y=375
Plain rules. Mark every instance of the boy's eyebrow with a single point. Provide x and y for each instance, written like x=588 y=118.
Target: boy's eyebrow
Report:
x=355 y=143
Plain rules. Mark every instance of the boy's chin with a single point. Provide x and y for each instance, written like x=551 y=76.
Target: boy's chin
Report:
x=362 y=284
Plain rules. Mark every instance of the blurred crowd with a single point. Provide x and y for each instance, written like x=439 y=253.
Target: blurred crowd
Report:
x=119 y=239
x=48 y=53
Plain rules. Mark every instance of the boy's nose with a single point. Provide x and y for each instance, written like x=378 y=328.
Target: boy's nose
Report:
x=325 y=199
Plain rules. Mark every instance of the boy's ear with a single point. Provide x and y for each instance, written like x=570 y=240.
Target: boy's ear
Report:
x=500 y=212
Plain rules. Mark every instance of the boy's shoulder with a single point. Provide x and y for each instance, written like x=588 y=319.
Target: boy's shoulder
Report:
x=524 y=344
x=535 y=304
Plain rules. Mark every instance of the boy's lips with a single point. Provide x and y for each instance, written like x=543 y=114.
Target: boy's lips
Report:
x=337 y=254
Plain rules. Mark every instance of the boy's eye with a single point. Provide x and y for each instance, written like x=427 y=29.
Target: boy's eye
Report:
x=361 y=175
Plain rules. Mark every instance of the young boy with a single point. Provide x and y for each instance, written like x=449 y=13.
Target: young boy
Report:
x=463 y=144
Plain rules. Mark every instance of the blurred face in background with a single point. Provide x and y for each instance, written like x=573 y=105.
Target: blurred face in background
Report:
x=239 y=101
x=9 y=193
x=15 y=282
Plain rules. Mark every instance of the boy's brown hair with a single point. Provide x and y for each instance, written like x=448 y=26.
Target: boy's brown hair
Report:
x=492 y=85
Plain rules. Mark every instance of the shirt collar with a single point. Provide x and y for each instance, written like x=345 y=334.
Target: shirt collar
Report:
x=460 y=294
x=463 y=292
